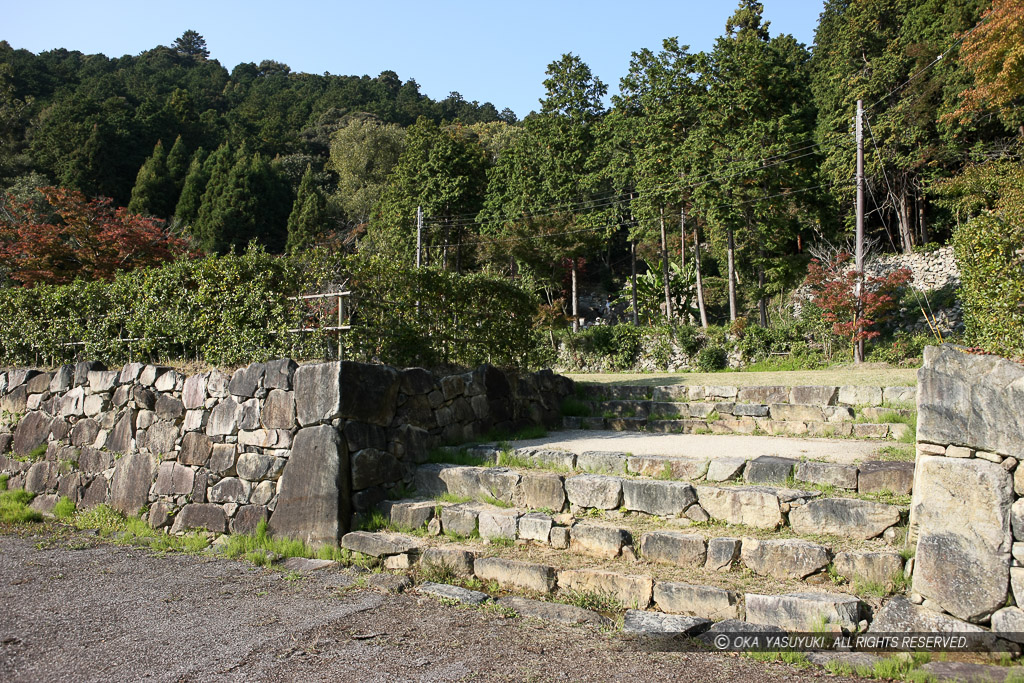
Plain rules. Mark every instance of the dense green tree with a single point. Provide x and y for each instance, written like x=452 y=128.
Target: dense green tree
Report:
x=187 y=209
x=191 y=44
x=154 y=192
x=178 y=161
x=308 y=218
x=363 y=152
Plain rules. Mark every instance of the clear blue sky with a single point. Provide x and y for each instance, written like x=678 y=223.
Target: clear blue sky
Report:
x=485 y=50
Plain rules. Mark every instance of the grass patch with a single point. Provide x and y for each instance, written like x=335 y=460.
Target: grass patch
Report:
x=502 y=542
x=574 y=407
x=14 y=507
x=437 y=573
x=64 y=510
x=375 y=521
x=262 y=550
x=125 y=530
x=459 y=457
x=491 y=500
x=452 y=498
x=798 y=659
x=596 y=602
x=899 y=453
x=34 y=455
x=508 y=458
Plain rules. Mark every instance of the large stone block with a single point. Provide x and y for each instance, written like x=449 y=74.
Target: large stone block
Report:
x=880 y=568
x=844 y=517
x=225 y=418
x=247 y=381
x=860 y=396
x=828 y=474
x=802 y=611
x=460 y=519
x=769 y=468
x=899 y=615
x=598 y=539
x=173 y=479
x=459 y=561
x=195 y=449
x=554 y=611
x=371 y=467
x=193 y=393
x=748 y=506
x=894 y=476
x=498 y=523
x=279 y=374
x=627 y=590
x=317 y=393
x=378 y=544
x=512 y=573
x=722 y=553
x=697 y=601
x=32 y=432
x=763 y=395
x=602 y=462
x=672 y=547
x=204 y=516
x=279 y=410
x=312 y=500
x=669 y=467
x=726 y=468
x=122 y=436
x=816 y=395
x=369 y=393
x=657 y=497
x=535 y=527
x=254 y=466
x=656 y=623
x=962 y=513
x=230 y=490
x=796 y=412
x=129 y=489
x=161 y=438
x=594 y=491
x=784 y=558
x=541 y=491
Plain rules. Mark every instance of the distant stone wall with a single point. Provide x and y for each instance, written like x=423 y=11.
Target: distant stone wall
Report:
x=300 y=446
x=931 y=269
x=966 y=515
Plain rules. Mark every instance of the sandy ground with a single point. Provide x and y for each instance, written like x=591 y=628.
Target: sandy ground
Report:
x=74 y=609
x=844 y=451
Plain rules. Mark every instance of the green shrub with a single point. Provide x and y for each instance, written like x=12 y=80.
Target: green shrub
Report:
x=902 y=348
x=14 y=507
x=689 y=339
x=64 y=509
x=712 y=358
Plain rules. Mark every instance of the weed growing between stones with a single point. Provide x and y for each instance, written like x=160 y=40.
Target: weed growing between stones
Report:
x=798 y=659
x=899 y=453
x=491 y=500
x=595 y=602
x=64 y=510
x=459 y=457
x=452 y=498
x=574 y=407
x=374 y=521
x=263 y=550
x=14 y=507
x=430 y=572
x=34 y=455
x=502 y=542
x=4 y=478
x=127 y=530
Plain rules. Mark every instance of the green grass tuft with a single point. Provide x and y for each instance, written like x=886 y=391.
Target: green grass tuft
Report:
x=64 y=510
x=4 y=478
x=459 y=457
x=14 y=507
x=574 y=407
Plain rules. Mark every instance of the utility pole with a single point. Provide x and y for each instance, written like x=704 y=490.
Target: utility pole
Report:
x=858 y=351
x=664 y=269
x=419 y=236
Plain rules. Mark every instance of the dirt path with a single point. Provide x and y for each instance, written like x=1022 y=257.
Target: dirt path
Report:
x=844 y=451
x=73 y=609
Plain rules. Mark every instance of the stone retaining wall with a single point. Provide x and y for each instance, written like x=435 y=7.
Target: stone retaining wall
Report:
x=967 y=516
x=303 y=447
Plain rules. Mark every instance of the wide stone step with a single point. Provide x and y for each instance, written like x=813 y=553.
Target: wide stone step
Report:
x=860 y=396
x=759 y=506
x=726 y=424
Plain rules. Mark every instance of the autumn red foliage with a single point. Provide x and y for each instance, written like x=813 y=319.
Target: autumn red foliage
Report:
x=72 y=236
x=834 y=286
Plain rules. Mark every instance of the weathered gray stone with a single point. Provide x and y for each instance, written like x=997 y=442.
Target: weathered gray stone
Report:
x=168 y=381
x=899 y=615
x=411 y=514
x=553 y=611
x=515 y=574
x=962 y=512
x=457 y=560
x=750 y=410
x=250 y=419
x=161 y=438
x=230 y=490
x=225 y=418
x=317 y=393
x=602 y=462
x=149 y=374
x=195 y=449
x=96 y=404
x=657 y=497
x=540 y=490
x=594 y=491
x=769 y=468
x=1009 y=623
x=845 y=517
x=763 y=394
x=247 y=381
x=628 y=590
x=788 y=558
x=369 y=393
x=894 y=476
x=722 y=553
x=726 y=468
x=169 y=408
x=795 y=412
x=195 y=421
x=535 y=527
x=697 y=601
x=265 y=438
x=598 y=539
x=801 y=611
x=378 y=544
x=41 y=476
x=248 y=518
x=221 y=457
x=860 y=396
x=741 y=506
x=263 y=493
x=669 y=467
x=312 y=501
x=129 y=489
x=279 y=410
x=254 y=466
x=200 y=516
x=906 y=395
x=460 y=519
x=193 y=393
x=500 y=483
x=816 y=395
x=640 y=621
x=371 y=467
x=560 y=537
x=279 y=374
x=880 y=568
x=672 y=547
x=463 y=596
x=967 y=672
x=828 y=474
x=173 y=479
x=498 y=523
x=102 y=380
x=160 y=515
x=72 y=404
x=32 y=432
x=62 y=379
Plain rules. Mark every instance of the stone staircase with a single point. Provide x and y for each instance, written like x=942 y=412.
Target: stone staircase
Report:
x=820 y=411
x=592 y=538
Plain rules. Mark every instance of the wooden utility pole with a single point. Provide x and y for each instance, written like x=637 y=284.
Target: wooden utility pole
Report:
x=700 y=282
x=575 y=300
x=858 y=349
x=664 y=268
x=419 y=236
x=632 y=281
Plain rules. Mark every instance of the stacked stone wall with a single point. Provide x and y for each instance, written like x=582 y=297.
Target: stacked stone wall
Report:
x=300 y=446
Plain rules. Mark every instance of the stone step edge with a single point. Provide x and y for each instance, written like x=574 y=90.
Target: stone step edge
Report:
x=743 y=425
x=805 y=412
x=763 y=507
x=801 y=559
x=879 y=475
x=806 y=394
x=628 y=591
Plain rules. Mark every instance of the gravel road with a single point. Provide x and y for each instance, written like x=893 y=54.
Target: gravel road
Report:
x=75 y=609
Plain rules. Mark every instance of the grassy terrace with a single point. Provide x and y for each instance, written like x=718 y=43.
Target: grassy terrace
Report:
x=868 y=374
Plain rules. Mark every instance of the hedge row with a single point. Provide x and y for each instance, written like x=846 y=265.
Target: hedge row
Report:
x=235 y=309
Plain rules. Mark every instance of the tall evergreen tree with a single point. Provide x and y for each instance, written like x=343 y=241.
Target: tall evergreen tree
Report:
x=178 y=166
x=154 y=192
x=193 y=187
x=309 y=215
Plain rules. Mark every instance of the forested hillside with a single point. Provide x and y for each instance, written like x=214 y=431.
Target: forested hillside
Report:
x=728 y=163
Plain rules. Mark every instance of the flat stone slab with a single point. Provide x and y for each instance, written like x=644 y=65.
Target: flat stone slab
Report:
x=800 y=611
x=673 y=547
x=830 y=474
x=656 y=623
x=854 y=660
x=463 y=596
x=726 y=468
x=379 y=544
x=967 y=672
x=789 y=558
x=754 y=508
x=594 y=491
x=534 y=577
x=692 y=600
x=305 y=564
x=599 y=540
x=657 y=497
x=845 y=517
x=554 y=611
x=894 y=476
x=628 y=590
x=900 y=615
